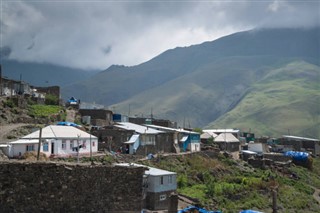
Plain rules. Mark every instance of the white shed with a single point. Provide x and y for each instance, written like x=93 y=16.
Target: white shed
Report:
x=56 y=140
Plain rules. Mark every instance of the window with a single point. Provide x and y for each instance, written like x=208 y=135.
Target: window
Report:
x=71 y=145
x=93 y=143
x=170 y=178
x=45 y=147
x=63 y=145
x=161 y=180
x=30 y=148
x=163 y=197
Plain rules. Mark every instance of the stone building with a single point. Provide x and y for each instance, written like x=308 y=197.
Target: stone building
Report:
x=160 y=189
x=98 y=117
x=301 y=144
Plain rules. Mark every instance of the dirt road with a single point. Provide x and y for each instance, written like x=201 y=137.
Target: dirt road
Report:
x=71 y=114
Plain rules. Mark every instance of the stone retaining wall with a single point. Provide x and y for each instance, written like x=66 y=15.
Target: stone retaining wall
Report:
x=52 y=187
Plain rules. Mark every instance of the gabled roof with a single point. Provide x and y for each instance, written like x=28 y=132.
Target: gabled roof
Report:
x=221 y=130
x=152 y=171
x=207 y=135
x=137 y=128
x=55 y=131
x=171 y=129
x=226 y=137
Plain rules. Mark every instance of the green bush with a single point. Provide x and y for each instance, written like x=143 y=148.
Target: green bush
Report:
x=182 y=181
x=51 y=100
x=9 y=103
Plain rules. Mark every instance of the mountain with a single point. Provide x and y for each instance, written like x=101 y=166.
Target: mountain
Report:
x=42 y=74
x=199 y=85
x=285 y=101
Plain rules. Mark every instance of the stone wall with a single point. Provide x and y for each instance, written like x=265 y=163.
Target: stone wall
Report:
x=52 y=187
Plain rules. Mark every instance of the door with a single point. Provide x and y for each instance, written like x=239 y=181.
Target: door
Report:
x=52 y=148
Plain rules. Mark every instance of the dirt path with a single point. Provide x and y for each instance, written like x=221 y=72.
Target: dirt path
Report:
x=316 y=194
x=6 y=129
x=71 y=114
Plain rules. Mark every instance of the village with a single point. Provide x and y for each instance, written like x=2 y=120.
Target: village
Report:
x=89 y=131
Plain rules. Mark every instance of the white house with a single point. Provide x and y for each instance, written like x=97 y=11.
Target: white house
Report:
x=56 y=140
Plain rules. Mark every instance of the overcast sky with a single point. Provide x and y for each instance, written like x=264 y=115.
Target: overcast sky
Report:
x=97 y=34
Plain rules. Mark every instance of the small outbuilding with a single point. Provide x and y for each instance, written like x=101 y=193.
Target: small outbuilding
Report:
x=160 y=188
x=227 y=142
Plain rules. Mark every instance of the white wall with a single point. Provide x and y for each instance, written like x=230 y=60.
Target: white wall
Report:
x=16 y=149
x=155 y=186
x=194 y=147
x=256 y=147
x=59 y=151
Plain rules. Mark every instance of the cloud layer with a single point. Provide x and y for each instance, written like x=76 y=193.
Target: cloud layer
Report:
x=97 y=34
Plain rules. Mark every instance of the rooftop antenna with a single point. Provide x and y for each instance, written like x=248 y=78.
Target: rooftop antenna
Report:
x=129 y=111
x=151 y=114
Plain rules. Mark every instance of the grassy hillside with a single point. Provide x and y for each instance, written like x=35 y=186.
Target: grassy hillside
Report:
x=230 y=186
x=202 y=95
x=285 y=101
x=196 y=85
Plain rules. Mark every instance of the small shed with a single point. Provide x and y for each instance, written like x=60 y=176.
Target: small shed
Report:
x=227 y=142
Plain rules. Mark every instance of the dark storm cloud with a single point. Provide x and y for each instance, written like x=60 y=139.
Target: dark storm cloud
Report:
x=96 y=34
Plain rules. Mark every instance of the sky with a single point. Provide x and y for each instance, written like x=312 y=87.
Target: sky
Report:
x=92 y=35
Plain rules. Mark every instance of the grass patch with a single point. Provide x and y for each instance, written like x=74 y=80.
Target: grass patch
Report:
x=43 y=110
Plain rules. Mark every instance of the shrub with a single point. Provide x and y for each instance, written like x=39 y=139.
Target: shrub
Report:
x=182 y=181
x=51 y=100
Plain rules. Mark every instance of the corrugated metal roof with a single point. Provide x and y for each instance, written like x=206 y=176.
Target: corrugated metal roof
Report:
x=137 y=128
x=207 y=135
x=55 y=131
x=25 y=141
x=152 y=171
x=184 y=138
x=299 y=138
x=133 y=139
x=226 y=137
x=172 y=129
x=221 y=130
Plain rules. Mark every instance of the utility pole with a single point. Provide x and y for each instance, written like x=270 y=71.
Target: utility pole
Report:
x=90 y=148
x=39 y=144
x=78 y=149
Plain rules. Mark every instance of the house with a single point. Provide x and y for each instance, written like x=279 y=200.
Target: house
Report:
x=301 y=144
x=160 y=188
x=146 y=140
x=227 y=142
x=98 y=117
x=207 y=136
x=184 y=140
x=235 y=132
x=10 y=87
x=153 y=121
x=57 y=140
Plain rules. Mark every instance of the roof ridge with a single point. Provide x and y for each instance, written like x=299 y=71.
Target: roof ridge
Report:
x=53 y=131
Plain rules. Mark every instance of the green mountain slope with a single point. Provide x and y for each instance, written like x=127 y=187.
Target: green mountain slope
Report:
x=196 y=85
x=285 y=101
